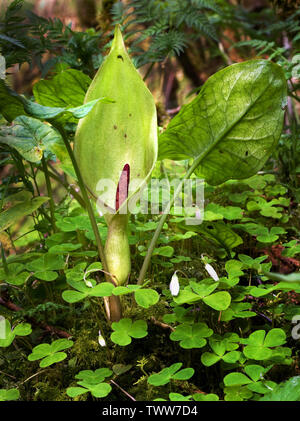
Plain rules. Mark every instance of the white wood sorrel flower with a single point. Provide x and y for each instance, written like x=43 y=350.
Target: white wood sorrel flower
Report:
x=174 y=285
x=210 y=270
x=101 y=340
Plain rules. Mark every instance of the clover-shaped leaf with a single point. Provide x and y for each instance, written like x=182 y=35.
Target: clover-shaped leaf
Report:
x=237 y=393
x=8 y=335
x=219 y=348
x=191 y=336
x=15 y=274
x=214 y=211
x=94 y=377
x=93 y=382
x=253 y=381
x=250 y=263
x=50 y=353
x=205 y=397
x=259 y=343
x=233 y=268
x=9 y=395
x=176 y=397
x=146 y=297
x=204 y=287
x=218 y=301
x=261 y=232
x=182 y=315
x=237 y=310
x=168 y=373
x=97 y=390
x=197 y=291
x=230 y=340
x=45 y=266
x=104 y=289
x=64 y=248
x=126 y=329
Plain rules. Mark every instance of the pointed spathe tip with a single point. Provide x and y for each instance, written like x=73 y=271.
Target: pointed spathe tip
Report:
x=118 y=41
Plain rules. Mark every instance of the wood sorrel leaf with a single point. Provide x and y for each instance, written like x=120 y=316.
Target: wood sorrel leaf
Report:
x=234 y=123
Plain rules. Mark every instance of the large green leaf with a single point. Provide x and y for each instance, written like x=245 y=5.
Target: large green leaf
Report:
x=288 y=391
x=67 y=89
x=11 y=105
x=30 y=137
x=234 y=123
x=13 y=214
x=69 y=99
x=217 y=233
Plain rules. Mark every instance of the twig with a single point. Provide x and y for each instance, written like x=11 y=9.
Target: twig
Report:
x=34 y=375
x=8 y=375
x=160 y=324
x=124 y=391
x=164 y=216
x=11 y=306
x=50 y=193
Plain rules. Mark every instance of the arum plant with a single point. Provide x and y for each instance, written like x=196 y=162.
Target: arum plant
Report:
x=118 y=145
x=228 y=131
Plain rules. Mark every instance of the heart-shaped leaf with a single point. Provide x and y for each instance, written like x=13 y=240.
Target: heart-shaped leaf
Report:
x=125 y=329
x=234 y=123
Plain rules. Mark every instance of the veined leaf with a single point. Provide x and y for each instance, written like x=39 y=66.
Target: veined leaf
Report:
x=11 y=105
x=67 y=89
x=31 y=137
x=12 y=215
x=234 y=123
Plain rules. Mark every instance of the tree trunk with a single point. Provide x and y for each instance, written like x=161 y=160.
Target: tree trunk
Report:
x=87 y=13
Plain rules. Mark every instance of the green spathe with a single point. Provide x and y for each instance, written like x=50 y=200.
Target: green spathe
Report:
x=125 y=132
x=113 y=136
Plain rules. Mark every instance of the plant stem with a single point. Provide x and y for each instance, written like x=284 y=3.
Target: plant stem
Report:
x=148 y=71
x=34 y=179
x=3 y=258
x=115 y=304
x=68 y=188
x=85 y=198
x=163 y=219
x=50 y=193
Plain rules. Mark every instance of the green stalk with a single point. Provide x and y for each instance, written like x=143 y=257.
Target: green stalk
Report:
x=50 y=193
x=3 y=258
x=67 y=187
x=117 y=251
x=114 y=301
x=163 y=218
